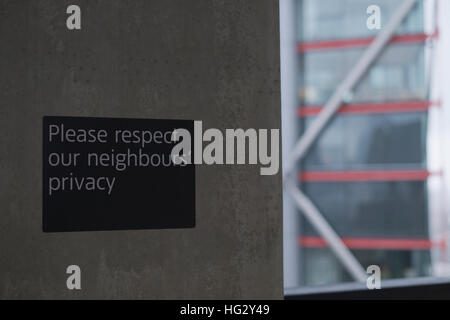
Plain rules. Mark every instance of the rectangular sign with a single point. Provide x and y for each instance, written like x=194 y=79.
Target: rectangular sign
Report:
x=114 y=174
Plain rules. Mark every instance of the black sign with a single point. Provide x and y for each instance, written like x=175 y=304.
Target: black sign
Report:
x=115 y=174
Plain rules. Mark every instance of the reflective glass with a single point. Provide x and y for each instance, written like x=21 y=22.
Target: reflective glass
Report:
x=320 y=20
x=398 y=74
x=369 y=141
x=394 y=264
x=391 y=209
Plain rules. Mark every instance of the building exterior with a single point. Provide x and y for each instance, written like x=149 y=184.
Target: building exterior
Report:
x=372 y=169
x=148 y=60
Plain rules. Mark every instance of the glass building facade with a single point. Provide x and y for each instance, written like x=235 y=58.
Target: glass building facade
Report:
x=367 y=171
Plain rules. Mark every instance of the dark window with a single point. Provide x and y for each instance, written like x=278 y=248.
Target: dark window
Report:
x=398 y=74
x=394 y=264
x=370 y=141
x=392 y=209
x=320 y=20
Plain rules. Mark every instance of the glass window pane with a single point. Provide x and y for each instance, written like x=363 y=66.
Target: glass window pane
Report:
x=398 y=74
x=391 y=209
x=369 y=141
x=320 y=20
x=321 y=266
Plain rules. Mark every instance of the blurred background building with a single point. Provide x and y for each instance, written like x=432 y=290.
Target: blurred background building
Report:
x=376 y=172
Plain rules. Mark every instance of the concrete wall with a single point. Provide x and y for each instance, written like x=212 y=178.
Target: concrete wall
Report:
x=210 y=60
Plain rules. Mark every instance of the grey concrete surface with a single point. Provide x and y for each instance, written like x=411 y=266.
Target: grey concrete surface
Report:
x=210 y=60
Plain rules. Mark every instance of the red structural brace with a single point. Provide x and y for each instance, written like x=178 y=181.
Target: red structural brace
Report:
x=376 y=243
x=360 y=42
x=373 y=175
x=372 y=108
